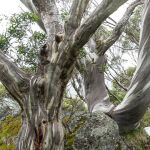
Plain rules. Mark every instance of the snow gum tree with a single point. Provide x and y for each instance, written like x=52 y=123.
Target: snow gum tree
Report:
x=96 y=94
x=40 y=95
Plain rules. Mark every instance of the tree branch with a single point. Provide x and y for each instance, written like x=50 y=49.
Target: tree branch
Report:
x=70 y=49
x=87 y=29
x=117 y=31
x=112 y=94
x=77 y=89
x=76 y=13
x=49 y=15
x=15 y=80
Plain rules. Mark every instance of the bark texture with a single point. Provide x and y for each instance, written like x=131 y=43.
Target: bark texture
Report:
x=136 y=101
x=96 y=94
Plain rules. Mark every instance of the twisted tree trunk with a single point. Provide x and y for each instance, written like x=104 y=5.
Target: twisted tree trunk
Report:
x=96 y=94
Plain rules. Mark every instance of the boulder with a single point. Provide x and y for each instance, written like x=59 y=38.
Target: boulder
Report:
x=9 y=107
x=99 y=132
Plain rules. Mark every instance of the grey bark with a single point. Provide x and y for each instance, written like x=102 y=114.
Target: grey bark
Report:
x=136 y=101
x=96 y=94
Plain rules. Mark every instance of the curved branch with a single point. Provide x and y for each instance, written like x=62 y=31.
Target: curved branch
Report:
x=129 y=112
x=117 y=31
x=70 y=48
x=15 y=80
x=87 y=29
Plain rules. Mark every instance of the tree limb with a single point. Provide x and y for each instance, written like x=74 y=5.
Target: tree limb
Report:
x=49 y=15
x=15 y=80
x=77 y=89
x=70 y=48
x=76 y=13
x=117 y=31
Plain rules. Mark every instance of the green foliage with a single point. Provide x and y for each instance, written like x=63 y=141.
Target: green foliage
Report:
x=119 y=94
x=64 y=14
x=4 y=40
x=82 y=53
x=132 y=30
x=72 y=105
x=124 y=79
x=20 y=42
x=20 y=24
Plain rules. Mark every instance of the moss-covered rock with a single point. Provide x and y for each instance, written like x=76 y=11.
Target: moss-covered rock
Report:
x=99 y=132
x=72 y=125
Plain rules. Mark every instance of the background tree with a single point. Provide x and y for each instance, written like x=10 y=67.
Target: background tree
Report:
x=96 y=93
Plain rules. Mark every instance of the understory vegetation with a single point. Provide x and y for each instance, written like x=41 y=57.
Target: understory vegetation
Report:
x=134 y=140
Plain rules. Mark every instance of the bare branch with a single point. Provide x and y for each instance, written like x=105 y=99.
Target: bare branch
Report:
x=119 y=28
x=70 y=48
x=112 y=94
x=133 y=37
x=77 y=89
x=103 y=11
x=76 y=13
x=15 y=80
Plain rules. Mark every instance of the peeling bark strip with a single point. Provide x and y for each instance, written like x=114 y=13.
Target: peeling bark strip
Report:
x=136 y=101
x=40 y=134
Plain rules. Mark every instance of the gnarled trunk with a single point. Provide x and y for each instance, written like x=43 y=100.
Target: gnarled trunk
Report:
x=40 y=133
x=41 y=126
